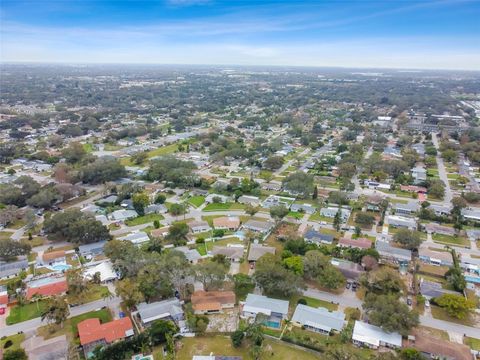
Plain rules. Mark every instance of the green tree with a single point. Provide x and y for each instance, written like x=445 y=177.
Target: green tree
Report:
x=299 y=183
x=160 y=199
x=331 y=278
x=295 y=264
x=389 y=313
x=337 y=220
x=455 y=305
x=383 y=281
x=160 y=329
x=237 y=338
x=56 y=310
x=408 y=238
x=16 y=354
x=364 y=219
x=411 y=354
x=251 y=210
x=278 y=212
x=10 y=249
x=177 y=233
x=140 y=202
x=244 y=284
x=129 y=291
x=211 y=274
x=177 y=209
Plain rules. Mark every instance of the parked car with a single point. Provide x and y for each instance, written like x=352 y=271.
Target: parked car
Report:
x=348 y=285
x=2 y=310
x=409 y=302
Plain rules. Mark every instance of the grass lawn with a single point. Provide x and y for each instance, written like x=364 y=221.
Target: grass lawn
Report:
x=17 y=224
x=95 y=292
x=440 y=334
x=222 y=345
x=295 y=214
x=26 y=312
x=472 y=342
x=139 y=220
x=223 y=207
x=88 y=147
x=436 y=271
x=453 y=240
x=317 y=217
x=196 y=200
x=70 y=326
x=209 y=219
x=441 y=314
x=16 y=340
x=314 y=303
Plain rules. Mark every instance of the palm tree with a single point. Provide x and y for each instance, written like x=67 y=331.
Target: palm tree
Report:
x=57 y=311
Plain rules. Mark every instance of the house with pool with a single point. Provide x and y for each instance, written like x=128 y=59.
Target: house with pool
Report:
x=274 y=309
x=46 y=287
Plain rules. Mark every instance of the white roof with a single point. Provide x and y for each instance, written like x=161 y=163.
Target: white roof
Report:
x=265 y=305
x=319 y=318
x=136 y=238
x=104 y=268
x=373 y=335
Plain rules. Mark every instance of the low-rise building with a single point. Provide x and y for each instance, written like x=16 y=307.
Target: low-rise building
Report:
x=276 y=310
x=199 y=226
x=258 y=226
x=374 y=337
x=409 y=208
x=360 y=243
x=317 y=237
x=250 y=200
x=122 y=215
x=430 y=289
x=305 y=208
x=392 y=254
x=419 y=174
x=258 y=250
x=439 y=258
x=402 y=221
x=170 y=309
x=319 y=320
x=46 y=287
x=93 y=334
x=52 y=258
x=433 y=228
x=210 y=302
x=3 y=295
x=104 y=268
x=471 y=214
x=331 y=211
x=349 y=269
x=227 y=223
x=91 y=250
x=12 y=268
x=136 y=238
x=232 y=253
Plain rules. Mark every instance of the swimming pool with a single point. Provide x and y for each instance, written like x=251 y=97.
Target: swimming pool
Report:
x=59 y=267
x=240 y=234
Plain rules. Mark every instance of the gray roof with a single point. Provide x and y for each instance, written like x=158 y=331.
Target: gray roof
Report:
x=314 y=235
x=258 y=250
x=319 y=318
x=231 y=252
x=12 y=267
x=432 y=289
x=259 y=302
x=93 y=247
x=192 y=255
x=159 y=310
x=384 y=248
x=410 y=206
x=258 y=225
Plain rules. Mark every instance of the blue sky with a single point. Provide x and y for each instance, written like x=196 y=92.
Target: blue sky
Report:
x=434 y=34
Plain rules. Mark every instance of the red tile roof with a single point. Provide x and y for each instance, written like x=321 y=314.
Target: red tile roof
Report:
x=91 y=330
x=3 y=299
x=360 y=243
x=57 y=288
x=212 y=300
x=53 y=255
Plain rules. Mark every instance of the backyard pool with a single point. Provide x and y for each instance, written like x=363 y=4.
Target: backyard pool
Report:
x=59 y=267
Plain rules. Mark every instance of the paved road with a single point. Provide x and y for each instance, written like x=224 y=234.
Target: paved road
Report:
x=347 y=299
x=449 y=327
x=442 y=173
x=32 y=325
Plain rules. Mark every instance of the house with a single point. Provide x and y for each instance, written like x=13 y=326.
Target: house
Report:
x=319 y=320
x=199 y=226
x=435 y=348
x=192 y=255
x=433 y=228
x=258 y=226
x=232 y=253
x=419 y=174
x=373 y=202
x=360 y=243
x=170 y=309
x=440 y=210
x=160 y=233
x=377 y=185
x=105 y=269
x=276 y=310
x=39 y=349
x=92 y=250
x=218 y=357
x=127 y=204
x=430 y=289
x=314 y=236
x=392 y=254
x=227 y=223
x=136 y=238
x=122 y=215
x=208 y=302
x=305 y=208
x=409 y=208
x=211 y=198
x=401 y=221
x=439 y=258
x=93 y=334
x=330 y=212
x=108 y=200
x=45 y=287
x=53 y=257
x=12 y=268
x=413 y=189
x=156 y=209
x=250 y=200
x=274 y=200
x=471 y=214
x=3 y=295
x=258 y=250
x=349 y=269
x=374 y=337
x=270 y=186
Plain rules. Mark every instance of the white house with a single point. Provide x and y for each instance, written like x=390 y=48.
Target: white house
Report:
x=136 y=237
x=318 y=319
x=276 y=310
x=374 y=337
